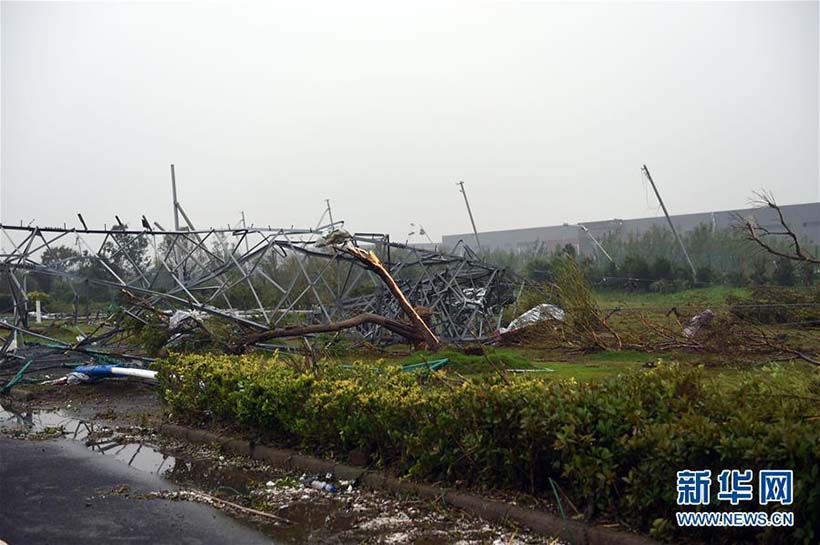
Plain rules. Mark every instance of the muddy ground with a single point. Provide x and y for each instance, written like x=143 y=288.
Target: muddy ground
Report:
x=118 y=419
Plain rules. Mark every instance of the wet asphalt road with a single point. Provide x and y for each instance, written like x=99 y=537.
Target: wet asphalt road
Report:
x=50 y=492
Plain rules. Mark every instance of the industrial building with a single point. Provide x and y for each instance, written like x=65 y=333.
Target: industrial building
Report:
x=804 y=219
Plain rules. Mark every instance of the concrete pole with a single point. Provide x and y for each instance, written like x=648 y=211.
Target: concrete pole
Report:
x=598 y=244
x=470 y=212
x=671 y=225
x=329 y=211
x=176 y=202
x=245 y=226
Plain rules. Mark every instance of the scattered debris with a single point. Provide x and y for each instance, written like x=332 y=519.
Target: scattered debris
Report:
x=697 y=322
x=314 y=481
x=17 y=378
x=93 y=373
x=432 y=365
x=179 y=317
x=544 y=311
x=201 y=497
x=273 y=500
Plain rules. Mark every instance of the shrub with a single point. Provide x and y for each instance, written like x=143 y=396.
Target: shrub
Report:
x=662 y=269
x=778 y=305
x=661 y=286
x=635 y=266
x=736 y=278
x=783 y=272
x=705 y=274
x=613 y=445
x=807 y=273
x=539 y=269
x=577 y=300
x=38 y=296
x=759 y=271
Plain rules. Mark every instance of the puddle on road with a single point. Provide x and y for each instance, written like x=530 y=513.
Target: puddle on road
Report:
x=112 y=442
x=350 y=517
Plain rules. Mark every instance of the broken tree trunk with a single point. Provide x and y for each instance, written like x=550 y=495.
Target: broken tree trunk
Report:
x=372 y=262
x=400 y=328
x=417 y=331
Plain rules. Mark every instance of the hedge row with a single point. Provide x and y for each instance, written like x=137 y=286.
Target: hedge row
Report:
x=613 y=446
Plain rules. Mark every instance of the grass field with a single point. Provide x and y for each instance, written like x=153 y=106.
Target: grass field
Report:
x=555 y=363
x=713 y=295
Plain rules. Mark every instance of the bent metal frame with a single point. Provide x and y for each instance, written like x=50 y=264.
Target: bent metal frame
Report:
x=198 y=270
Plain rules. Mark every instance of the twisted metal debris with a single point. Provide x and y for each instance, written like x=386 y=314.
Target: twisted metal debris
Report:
x=284 y=277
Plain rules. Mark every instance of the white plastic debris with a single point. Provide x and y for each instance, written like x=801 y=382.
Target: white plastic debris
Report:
x=337 y=237
x=697 y=322
x=77 y=378
x=544 y=311
x=179 y=317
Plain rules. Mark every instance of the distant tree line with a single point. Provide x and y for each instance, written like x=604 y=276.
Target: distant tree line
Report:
x=653 y=261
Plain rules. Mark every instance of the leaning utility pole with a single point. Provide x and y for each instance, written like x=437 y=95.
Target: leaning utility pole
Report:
x=598 y=244
x=178 y=208
x=176 y=202
x=245 y=226
x=668 y=219
x=470 y=212
x=329 y=211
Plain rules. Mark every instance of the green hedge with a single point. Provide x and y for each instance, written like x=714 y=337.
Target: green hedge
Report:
x=613 y=446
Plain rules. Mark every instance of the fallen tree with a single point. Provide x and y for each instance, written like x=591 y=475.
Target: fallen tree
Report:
x=372 y=262
x=400 y=328
x=416 y=331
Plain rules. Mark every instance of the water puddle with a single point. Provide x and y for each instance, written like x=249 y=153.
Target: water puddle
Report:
x=351 y=516
x=114 y=442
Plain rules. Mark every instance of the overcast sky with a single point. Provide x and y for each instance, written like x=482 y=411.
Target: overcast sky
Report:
x=546 y=111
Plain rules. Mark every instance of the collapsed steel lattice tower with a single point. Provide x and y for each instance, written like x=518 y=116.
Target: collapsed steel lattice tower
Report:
x=264 y=278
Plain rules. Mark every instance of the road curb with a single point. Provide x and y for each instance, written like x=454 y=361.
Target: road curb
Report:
x=572 y=531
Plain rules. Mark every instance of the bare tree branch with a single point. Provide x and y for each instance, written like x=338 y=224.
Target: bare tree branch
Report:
x=764 y=237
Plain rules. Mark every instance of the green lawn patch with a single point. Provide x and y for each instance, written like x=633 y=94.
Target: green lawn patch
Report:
x=713 y=295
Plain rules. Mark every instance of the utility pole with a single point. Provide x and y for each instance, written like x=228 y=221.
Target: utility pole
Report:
x=176 y=202
x=329 y=211
x=470 y=212
x=421 y=232
x=181 y=273
x=668 y=219
x=598 y=244
x=245 y=226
